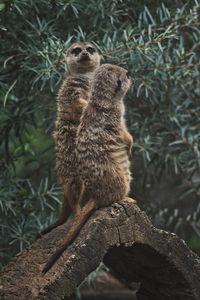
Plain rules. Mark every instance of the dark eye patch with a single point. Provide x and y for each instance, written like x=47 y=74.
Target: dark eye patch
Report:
x=76 y=51
x=90 y=50
x=119 y=84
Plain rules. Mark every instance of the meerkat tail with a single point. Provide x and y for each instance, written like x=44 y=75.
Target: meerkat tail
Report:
x=63 y=216
x=79 y=221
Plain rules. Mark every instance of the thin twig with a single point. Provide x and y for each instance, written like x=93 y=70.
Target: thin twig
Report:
x=10 y=88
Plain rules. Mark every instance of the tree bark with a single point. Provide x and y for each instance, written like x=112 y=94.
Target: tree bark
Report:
x=123 y=237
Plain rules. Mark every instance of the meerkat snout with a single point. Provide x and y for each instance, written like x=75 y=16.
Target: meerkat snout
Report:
x=85 y=53
x=84 y=56
x=128 y=74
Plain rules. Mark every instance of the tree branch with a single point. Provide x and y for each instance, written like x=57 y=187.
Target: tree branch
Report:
x=123 y=237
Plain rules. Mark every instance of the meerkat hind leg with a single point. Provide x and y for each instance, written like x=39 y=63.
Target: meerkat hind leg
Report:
x=75 y=191
x=69 y=205
x=64 y=214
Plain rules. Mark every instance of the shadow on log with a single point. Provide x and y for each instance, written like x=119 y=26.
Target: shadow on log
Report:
x=123 y=237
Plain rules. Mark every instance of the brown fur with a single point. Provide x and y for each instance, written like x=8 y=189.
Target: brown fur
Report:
x=72 y=98
x=103 y=146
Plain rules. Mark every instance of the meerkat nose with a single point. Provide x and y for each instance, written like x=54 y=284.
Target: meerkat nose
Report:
x=84 y=53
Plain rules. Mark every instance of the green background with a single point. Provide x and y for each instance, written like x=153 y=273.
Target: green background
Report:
x=159 y=43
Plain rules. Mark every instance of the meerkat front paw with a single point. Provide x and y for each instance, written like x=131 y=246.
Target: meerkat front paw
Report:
x=128 y=199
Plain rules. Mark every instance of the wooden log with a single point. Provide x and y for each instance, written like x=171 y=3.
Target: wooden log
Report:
x=123 y=237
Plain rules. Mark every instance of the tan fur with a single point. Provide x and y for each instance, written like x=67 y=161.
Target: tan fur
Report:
x=103 y=147
x=82 y=60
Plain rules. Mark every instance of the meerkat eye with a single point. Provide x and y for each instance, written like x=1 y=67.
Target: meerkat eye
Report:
x=128 y=74
x=90 y=50
x=119 y=84
x=76 y=51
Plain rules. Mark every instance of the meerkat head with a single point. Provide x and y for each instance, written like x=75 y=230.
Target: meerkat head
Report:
x=82 y=58
x=112 y=82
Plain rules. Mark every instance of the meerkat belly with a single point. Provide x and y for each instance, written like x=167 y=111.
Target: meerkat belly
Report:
x=121 y=159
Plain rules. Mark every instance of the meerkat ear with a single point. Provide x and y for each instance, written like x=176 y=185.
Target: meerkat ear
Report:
x=119 y=84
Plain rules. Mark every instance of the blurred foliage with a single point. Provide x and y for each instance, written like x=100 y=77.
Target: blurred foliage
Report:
x=160 y=45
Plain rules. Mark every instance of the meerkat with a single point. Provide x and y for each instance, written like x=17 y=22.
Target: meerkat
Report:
x=82 y=59
x=103 y=146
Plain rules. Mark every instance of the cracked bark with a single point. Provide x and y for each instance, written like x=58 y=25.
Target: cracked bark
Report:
x=123 y=237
